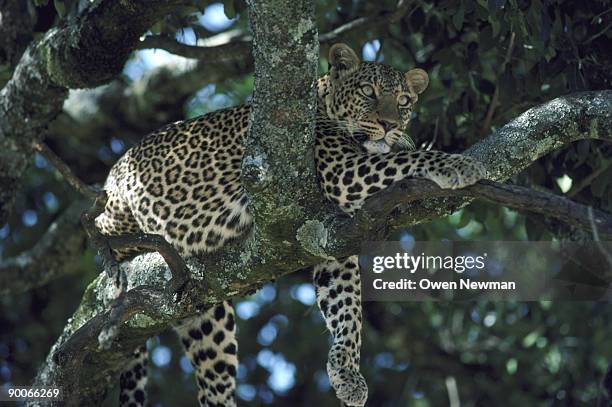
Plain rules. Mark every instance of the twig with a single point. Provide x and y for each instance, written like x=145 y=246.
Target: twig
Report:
x=586 y=181
x=232 y=50
x=358 y=24
x=594 y=19
x=74 y=181
x=599 y=34
x=239 y=49
x=576 y=51
x=597 y=241
x=453 y=392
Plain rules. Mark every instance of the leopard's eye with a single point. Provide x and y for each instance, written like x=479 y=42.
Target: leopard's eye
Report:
x=367 y=90
x=403 y=100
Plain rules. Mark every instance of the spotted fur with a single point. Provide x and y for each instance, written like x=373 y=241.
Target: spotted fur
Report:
x=210 y=343
x=183 y=182
x=338 y=290
x=133 y=380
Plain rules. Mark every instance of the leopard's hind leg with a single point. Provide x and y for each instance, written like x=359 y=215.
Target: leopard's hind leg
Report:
x=133 y=380
x=209 y=340
x=338 y=289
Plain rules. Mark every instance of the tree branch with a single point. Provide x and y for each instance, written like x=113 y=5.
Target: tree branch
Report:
x=239 y=47
x=512 y=196
x=55 y=255
x=231 y=50
x=16 y=25
x=84 y=189
x=130 y=110
x=277 y=169
x=85 y=52
x=535 y=133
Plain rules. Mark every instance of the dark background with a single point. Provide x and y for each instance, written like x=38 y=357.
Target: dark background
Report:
x=492 y=353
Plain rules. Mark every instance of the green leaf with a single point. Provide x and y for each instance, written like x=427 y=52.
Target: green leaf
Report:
x=41 y=3
x=229 y=9
x=156 y=28
x=496 y=26
x=466 y=217
x=530 y=339
x=60 y=7
x=458 y=18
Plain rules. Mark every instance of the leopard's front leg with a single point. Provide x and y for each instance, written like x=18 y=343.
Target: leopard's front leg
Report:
x=338 y=289
x=449 y=171
x=453 y=171
x=359 y=177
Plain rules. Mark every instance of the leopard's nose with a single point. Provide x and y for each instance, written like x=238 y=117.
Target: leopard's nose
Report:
x=385 y=125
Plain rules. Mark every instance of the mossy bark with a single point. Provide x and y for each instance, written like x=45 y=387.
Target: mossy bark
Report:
x=84 y=52
x=58 y=253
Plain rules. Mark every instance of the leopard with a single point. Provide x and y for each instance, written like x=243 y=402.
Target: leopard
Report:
x=183 y=182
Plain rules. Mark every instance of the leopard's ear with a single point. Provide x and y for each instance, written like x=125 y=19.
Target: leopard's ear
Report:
x=342 y=60
x=417 y=80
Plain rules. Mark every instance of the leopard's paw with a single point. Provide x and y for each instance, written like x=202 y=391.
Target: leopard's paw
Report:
x=349 y=384
x=344 y=376
x=458 y=171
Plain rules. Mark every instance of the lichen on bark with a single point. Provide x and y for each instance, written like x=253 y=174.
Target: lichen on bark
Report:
x=278 y=164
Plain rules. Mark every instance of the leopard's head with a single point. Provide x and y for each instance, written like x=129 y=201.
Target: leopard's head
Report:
x=372 y=102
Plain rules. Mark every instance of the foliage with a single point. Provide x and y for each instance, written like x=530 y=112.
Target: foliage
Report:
x=498 y=55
